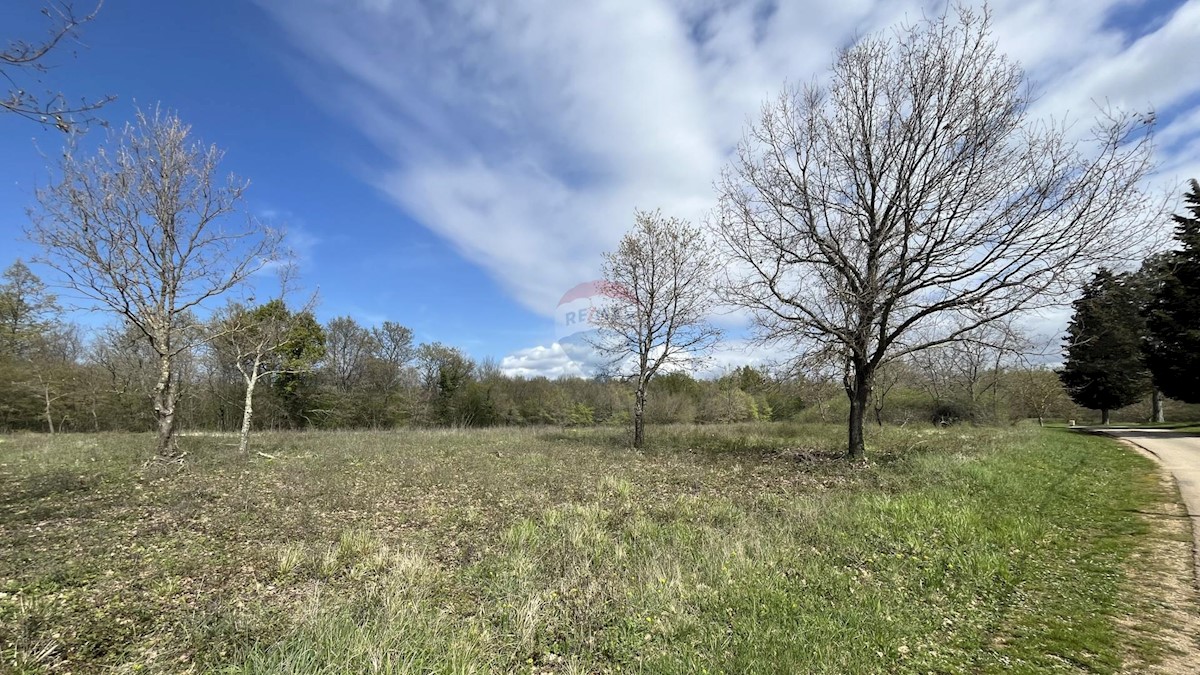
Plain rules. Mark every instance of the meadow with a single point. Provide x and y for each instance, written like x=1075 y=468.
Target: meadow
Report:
x=736 y=548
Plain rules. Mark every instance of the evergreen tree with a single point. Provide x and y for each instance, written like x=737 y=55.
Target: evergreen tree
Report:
x=1146 y=283
x=1173 y=315
x=1104 y=369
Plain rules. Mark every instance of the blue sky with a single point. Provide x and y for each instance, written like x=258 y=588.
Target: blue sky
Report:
x=457 y=166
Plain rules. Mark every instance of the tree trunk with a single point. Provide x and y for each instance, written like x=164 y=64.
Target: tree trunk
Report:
x=1156 y=407
x=859 y=391
x=639 y=413
x=248 y=411
x=49 y=416
x=1104 y=416
x=164 y=408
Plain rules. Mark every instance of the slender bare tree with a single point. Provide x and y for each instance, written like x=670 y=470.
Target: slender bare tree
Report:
x=265 y=341
x=660 y=285
x=22 y=62
x=912 y=198
x=147 y=229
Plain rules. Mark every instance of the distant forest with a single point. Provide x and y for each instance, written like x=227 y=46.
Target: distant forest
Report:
x=54 y=377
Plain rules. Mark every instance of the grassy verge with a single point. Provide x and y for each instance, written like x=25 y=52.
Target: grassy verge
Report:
x=1183 y=427
x=733 y=549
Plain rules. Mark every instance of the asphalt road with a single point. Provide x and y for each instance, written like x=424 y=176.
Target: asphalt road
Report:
x=1179 y=453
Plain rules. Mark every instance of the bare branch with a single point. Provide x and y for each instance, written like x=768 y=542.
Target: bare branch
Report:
x=147 y=229
x=913 y=201
x=660 y=287
x=24 y=60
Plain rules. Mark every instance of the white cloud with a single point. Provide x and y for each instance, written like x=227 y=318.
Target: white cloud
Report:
x=577 y=359
x=526 y=132
x=553 y=362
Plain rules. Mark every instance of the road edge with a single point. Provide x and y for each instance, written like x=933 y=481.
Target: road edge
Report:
x=1170 y=476
x=1177 y=620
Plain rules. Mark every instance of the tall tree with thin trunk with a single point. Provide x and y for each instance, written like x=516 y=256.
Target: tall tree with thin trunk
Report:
x=910 y=199
x=38 y=350
x=148 y=229
x=265 y=341
x=1038 y=391
x=659 y=284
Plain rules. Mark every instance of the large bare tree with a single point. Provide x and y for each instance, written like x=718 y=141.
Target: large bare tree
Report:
x=147 y=229
x=24 y=61
x=659 y=282
x=912 y=198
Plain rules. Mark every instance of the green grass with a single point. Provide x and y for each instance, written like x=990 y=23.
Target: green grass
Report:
x=735 y=549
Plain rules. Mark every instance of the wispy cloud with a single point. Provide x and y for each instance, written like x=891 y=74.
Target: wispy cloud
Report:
x=526 y=132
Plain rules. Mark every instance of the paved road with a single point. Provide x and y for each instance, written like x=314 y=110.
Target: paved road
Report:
x=1179 y=453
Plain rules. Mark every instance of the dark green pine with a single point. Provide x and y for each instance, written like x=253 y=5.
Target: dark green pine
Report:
x=1104 y=368
x=1173 y=315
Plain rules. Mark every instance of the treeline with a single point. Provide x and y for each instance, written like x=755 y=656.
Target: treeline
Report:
x=344 y=375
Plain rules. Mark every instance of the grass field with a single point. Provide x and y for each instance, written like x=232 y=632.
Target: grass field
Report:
x=735 y=549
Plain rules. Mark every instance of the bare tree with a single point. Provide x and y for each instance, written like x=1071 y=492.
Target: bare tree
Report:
x=395 y=345
x=146 y=229
x=659 y=281
x=394 y=352
x=973 y=365
x=129 y=364
x=349 y=349
x=27 y=309
x=913 y=199
x=1039 y=391
x=265 y=341
x=22 y=62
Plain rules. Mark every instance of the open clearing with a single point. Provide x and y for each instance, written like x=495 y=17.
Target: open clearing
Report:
x=721 y=549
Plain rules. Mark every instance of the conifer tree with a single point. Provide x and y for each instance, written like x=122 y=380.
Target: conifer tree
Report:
x=1104 y=369
x=1173 y=315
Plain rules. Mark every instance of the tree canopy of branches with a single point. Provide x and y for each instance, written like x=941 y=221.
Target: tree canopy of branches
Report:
x=659 y=281
x=446 y=374
x=959 y=375
x=27 y=309
x=36 y=348
x=912 y=199
x=1104 y=369
x=146 y=228
x=22 y=62
x=1173 y=314
x=349 y=348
